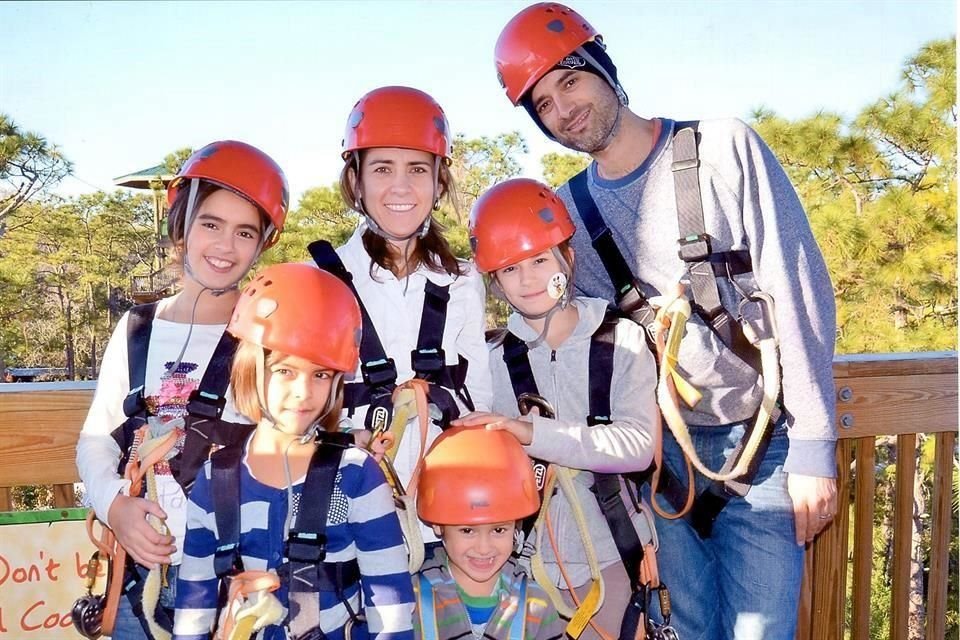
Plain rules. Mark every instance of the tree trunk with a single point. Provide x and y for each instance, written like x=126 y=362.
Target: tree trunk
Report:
x=68 y=340
x=916 y=616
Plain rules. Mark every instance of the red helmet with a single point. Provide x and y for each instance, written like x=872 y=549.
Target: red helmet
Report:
x=515 y=220
x=534 y=41
x=475 y=476
x=301 y=311
x=398 y=117
x=243 y=169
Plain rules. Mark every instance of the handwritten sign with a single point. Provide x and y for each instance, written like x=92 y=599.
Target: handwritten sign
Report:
x=43 y=568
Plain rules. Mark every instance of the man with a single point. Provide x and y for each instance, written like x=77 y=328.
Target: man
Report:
x=734 y=564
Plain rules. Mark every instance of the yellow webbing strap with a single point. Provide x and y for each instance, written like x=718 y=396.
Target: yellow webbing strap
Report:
x=409 y=400
x=580 y=617
x=151 y=451
x=678 y=312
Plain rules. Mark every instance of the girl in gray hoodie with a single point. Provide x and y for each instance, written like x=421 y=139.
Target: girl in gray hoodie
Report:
x=520 y=233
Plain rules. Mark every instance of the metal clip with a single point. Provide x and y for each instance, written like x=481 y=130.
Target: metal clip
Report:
x=755 y=313
x=527 y=401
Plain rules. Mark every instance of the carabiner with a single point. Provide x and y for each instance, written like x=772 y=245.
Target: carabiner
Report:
x=756 y=314
x=527 y=401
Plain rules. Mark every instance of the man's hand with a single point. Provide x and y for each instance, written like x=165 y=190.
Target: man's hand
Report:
x=520 y=428
x=128 y=519
x=814 y=504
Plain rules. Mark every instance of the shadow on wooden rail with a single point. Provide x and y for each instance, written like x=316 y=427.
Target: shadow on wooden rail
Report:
x=893 y=395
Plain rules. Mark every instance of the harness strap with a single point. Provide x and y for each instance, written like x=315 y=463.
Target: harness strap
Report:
x=601 y=369
x=695 y=248
x=628 y=296
x=225 y=493
x=516 y=357
x=518 y=624
x=427 y=609
x=306 y=545
x=205 y=403
x=139 y=328
x=378 y=370
x=606 y=486
x=428 y=360
x=203 y=425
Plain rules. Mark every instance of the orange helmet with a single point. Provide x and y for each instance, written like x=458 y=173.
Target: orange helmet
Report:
x=244 y=169
x=475 y=476
x=398 y=117
x=515 y=220
x=534 y=41
x=301 y=311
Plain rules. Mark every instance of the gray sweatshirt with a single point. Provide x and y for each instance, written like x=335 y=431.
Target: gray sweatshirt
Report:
x=624 y=445
x=748 y=203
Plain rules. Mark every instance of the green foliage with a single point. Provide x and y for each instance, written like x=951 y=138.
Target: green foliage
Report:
x=480 y=163
x=173 y=162
x=59 y=264
x=29 y=166
x=321 y=214
x=560 y=167
x=880 y=192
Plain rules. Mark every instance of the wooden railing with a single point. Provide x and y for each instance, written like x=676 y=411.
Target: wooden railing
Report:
x=894 y=396
x=878 y=397
x=154 y=285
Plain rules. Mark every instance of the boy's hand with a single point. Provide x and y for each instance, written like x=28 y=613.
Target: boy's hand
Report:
x=520 y=428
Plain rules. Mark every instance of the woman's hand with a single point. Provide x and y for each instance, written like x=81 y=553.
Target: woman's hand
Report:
x=521 y=428
x=377 y=447
x=128 y=520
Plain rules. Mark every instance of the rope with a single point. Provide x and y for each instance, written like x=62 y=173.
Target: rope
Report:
x=409 y=400
x=581 y=616
x=151 y=451
x=678 y=312
x=251 y=605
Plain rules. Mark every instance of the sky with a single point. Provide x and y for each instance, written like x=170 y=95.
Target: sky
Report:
x=117 y=86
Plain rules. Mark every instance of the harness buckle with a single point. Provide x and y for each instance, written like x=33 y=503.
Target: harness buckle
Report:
x=635 y=306
x=378 y=373
x=205 y=405
x=694 y=248
x=308 y=548
x=226 y=560
x=428 y=360
x=134 y=403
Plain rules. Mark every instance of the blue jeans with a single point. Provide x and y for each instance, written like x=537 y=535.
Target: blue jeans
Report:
x=128 y=626
x=743 y=582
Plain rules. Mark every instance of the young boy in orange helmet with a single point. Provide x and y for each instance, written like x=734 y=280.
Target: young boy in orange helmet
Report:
x=475 y=503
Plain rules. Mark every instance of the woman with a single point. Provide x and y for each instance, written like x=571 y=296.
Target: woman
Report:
x=423 y=307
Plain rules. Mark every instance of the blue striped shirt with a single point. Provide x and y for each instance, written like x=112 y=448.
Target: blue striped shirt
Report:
x=361 y=525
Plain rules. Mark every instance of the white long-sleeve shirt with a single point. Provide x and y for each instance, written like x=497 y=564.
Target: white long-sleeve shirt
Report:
x=395 y=307
x=98 y=454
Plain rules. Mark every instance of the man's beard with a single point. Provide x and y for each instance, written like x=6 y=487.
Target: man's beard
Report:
x=605 y=123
